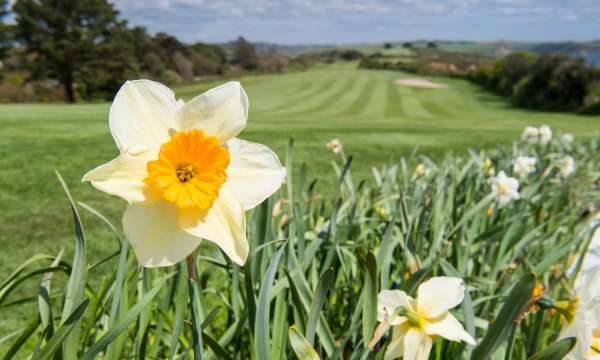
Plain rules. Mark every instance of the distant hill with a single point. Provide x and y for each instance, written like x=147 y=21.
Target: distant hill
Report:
x=589 y=50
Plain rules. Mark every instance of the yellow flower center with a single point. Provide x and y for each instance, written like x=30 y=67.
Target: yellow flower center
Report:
x=503 y=189
x=190 y=170
x=595 y=347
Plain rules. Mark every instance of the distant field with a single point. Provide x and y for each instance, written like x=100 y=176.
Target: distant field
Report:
x=377 y=121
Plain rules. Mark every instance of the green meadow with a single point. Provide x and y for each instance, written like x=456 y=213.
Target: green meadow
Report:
x=377 y=121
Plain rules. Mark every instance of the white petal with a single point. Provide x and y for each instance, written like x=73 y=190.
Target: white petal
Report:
x=396 y=347
x=155 y=236
x=220 y=112
x=439 y=294
x=388 y=301
x=124 y=176
x=254 y=172
x=417 y=345
x=142 y=114
x=580 y=328
x=449 y=328
x=224 y=224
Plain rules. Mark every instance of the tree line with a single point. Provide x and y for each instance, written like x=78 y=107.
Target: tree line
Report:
x=85 y=48
x=552 y=82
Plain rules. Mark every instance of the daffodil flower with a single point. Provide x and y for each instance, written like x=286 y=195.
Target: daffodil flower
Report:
x=545 y=134
x=420 y=170
x=335 y=145
x=505 y=188
x=183 y=171
x=567 y=138
x=531 y=134
x=416 y=322
x=584 y=323
x=566 y=166
x=523 y=165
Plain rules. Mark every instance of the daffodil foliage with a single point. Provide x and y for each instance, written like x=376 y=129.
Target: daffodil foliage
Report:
x=471 y=257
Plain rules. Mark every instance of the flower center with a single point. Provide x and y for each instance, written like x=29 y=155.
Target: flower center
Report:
x=185 y=172
x=413 y=317
x=503 y=189
x=190 y=170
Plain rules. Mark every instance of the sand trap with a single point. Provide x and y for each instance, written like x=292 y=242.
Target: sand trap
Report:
x=420 y=83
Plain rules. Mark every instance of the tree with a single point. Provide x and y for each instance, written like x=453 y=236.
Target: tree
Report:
x=71 y=38
x=388 y=45
x=5 y=29
x=244 y=55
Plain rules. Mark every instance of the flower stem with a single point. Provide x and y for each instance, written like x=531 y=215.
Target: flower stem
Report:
x=195 y=306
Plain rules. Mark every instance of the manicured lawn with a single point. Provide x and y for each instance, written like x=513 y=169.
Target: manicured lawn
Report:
x=377 y=121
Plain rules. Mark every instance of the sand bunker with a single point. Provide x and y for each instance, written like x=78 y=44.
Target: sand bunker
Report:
x=420 y=83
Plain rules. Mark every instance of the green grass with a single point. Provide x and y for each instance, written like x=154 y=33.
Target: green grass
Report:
x=378 y=122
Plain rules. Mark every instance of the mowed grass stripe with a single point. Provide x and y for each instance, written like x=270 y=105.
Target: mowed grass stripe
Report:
x=412 y=104
x=348 y=96
x=281 y=95
x=393 y=102
x=363 y=98
x=332 y=99
x=375 y=106
x=434 y=103
x=300 y=102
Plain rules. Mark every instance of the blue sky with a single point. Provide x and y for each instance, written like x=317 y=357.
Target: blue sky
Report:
x=350 y=21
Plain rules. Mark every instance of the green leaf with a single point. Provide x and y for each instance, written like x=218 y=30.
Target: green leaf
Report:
x=500 y=329
x=325 y=284
x=556 y=351
x=23 y=336
x=76 y=285
x=55 y=343
x=122 y=324
x=261 y=324
x=301 y=346
x=369 y=298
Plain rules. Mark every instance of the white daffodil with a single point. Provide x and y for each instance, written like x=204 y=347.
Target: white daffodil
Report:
x=531 y=134
x=183 y=171
x=523 y=165
x=566 y=165
x=420 y=170
x=416 y=322
x=505 y=188
x=545 y=134
x=592 y=258
x=335 y=145
x=585 y=324
x=568 y=138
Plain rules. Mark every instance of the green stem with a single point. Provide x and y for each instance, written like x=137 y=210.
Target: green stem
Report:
x=195 y=305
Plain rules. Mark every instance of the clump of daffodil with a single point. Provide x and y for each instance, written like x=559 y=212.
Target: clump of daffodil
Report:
x=583 y=319
x=534 y=135
x=335 y=145
x=545 y=134
x=566 y=165
x=531 y=135
x=524 y=165
x=505 y=189
x=184 y=172
x=567 y=138
x=416 y=322
x=488 y=167
x=420 y=170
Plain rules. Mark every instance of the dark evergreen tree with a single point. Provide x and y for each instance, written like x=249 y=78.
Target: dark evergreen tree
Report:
x=244 y=55
x=75 y=40
x=5 y=29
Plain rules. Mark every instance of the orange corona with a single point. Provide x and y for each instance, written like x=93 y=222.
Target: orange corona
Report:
x=190 y=170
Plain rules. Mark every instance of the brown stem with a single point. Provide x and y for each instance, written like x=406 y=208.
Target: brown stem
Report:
x=191 y=266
